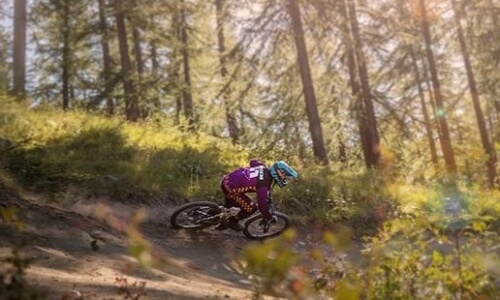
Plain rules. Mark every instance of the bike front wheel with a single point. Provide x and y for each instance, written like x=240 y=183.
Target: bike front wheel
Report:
x=195 y=215
x=257 y=229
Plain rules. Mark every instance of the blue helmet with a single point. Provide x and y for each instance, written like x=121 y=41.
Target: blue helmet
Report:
x=280 y=171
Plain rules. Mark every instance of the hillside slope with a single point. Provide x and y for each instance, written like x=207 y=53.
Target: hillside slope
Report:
x=66 y=263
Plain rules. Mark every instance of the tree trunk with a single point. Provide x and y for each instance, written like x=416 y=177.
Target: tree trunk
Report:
x=4 y=75
x=154 y=58
x=175 y=66
x=106 y=57
x=370 y=121
x=483 y=132
x=404 y=15
x=446 y=146
x=19 y=50
x=136 y=35
x=428 y=85
x=230 y=118
x=187 y=97
x=139 y=87
x=355 y=86
x=131 y=108
x=66 y=54
x=138 y=50
x=307 y=83
x=155 y=69
x=427 y=121
x=496 y=26
x=496 y=60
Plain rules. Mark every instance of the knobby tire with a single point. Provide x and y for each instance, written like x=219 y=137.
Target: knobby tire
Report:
x=202 y=206
x=255 y=232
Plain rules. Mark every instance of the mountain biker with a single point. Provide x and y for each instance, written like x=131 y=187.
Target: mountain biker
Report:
x=257 y=178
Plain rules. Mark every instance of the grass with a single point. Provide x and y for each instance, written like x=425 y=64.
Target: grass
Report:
x=52 y=150
x=49 y=152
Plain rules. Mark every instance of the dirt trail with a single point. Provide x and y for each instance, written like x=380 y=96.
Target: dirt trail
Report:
x=202 y=265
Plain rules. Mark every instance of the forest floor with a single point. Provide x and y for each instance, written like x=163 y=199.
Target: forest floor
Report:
x=65 y=265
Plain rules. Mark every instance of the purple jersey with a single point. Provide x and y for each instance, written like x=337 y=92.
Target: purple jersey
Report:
x=253 y=179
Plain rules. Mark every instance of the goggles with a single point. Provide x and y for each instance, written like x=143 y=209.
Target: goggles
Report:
x=282 y=176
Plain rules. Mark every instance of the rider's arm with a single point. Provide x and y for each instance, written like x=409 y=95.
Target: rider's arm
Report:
x=263 y=188
x=262 y=194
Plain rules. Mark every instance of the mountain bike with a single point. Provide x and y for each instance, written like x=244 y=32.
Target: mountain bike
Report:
x=198 y=215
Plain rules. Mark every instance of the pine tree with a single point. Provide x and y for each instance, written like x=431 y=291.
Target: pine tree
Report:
x=19 y=49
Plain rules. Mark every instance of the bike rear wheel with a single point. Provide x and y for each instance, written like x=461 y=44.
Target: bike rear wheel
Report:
x=256 y=230
x=195 y=215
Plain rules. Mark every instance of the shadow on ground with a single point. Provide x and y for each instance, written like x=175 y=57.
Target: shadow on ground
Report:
x=197 y=265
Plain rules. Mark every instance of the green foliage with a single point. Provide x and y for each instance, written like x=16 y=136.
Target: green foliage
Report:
x=361 y=198
x=271 y=262
x=407 y=261
x=310 y=273
x=435 y=238
x=13 y=284
x=434 y=241
x=52 y=151
x=449 y=205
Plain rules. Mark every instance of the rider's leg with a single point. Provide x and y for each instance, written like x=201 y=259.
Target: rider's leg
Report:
x=244 y=203
x=247 y=208
x=235 y=198
x=243 y=214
